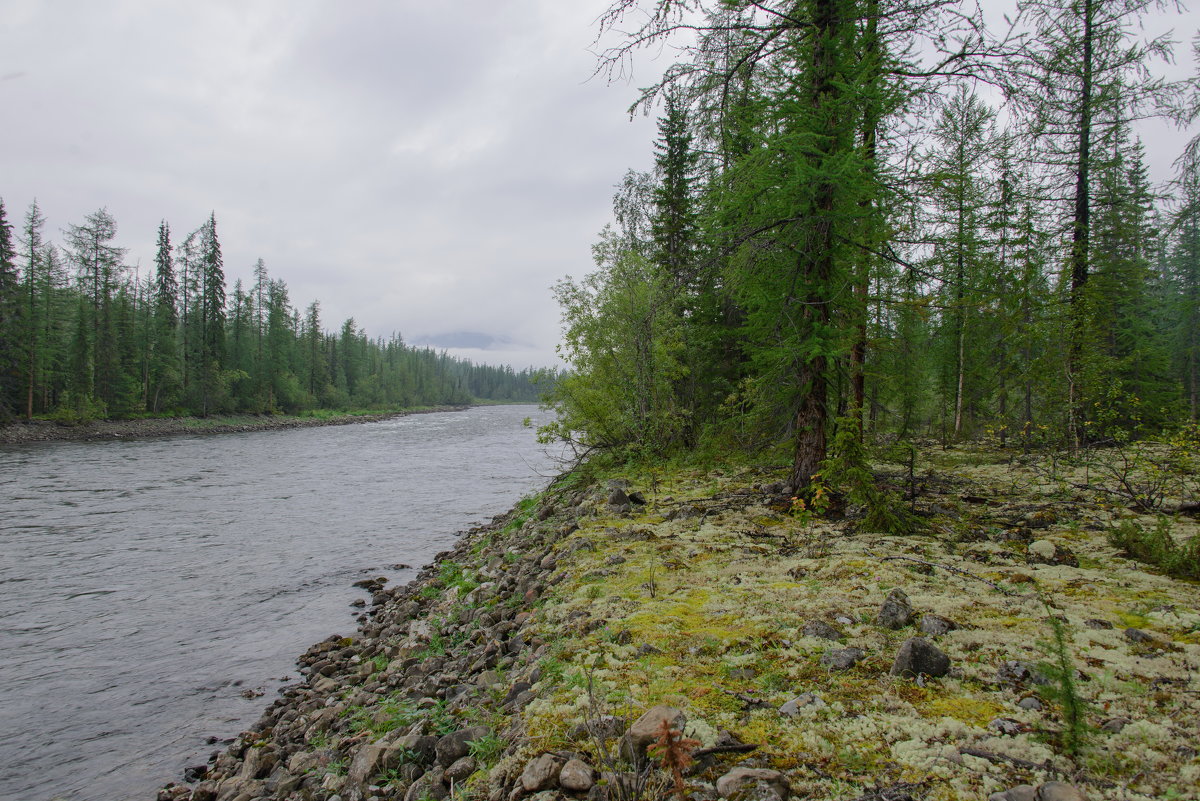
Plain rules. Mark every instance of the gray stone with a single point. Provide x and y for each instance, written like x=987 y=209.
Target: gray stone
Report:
x=1059 y=791
x=541 y=773
x=1017 y=673
x=461 y=769
x=426 y=787
x=918 y=656
x=792 y=708
x=896 y=612
x=576 y=776
x=366 y=763
x=1031 y=703
x=454 y=746
x=822 y=630
x=618 y=497
x=423 y=747
x=1005 y=726
x=1022 y=792
x=842 y=658
x=646 y=729
x=741 y=781
x=936 y=625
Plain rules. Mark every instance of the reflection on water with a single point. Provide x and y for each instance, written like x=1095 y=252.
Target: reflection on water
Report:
x=148 y=584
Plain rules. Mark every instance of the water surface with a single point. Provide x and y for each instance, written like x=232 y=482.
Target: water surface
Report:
x=147 y=586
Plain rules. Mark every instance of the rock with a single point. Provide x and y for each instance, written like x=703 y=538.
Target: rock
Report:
x=454 y=746
x=918 y=656
x=1017 y=673
x=366 y=763
x=645 y=730
x=461 y=769
x=1049 y=791
x=541 y=773
x=843 y=658
x=936 y=625
x=576 y=776
x=517 y=688
x=606 y=727
x=1059 y=791
x=1006 y=726
x=1031 y=703
x=425 y=787
x=792 y=708
x=423 y=748
x=739 y=781
x=821 y=630
x=618 y=497
x=1041 y=551
x=896 y=612
x=1139 y=636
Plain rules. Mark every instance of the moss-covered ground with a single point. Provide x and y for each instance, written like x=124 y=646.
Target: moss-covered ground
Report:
x=698 y=597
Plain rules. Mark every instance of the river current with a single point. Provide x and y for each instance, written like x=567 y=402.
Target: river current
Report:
x=154 y=594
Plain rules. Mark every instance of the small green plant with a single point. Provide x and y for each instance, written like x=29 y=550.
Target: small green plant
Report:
x=1157 y=547
x=1062 y=688
x=487 y=749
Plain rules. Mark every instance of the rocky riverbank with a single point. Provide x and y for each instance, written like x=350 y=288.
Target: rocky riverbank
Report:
x=1008 y=652
x=48 y=431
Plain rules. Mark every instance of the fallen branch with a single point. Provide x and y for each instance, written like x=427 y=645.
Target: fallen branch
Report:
x=733 y=748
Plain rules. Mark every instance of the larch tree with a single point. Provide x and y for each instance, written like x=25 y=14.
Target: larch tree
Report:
x=1082 y=71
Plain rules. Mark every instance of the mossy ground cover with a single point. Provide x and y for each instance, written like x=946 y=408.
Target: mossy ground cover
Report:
x=698 y=599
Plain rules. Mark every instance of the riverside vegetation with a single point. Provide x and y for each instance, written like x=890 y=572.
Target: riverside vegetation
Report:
x=693 y=629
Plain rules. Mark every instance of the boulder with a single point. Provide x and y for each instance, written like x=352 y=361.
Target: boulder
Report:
x=454 y=746
x=821 y=630
x=896 y=612
x=645 y=730
x=541 y=773
x=742 y=782
x=936 y=625
x=423 y=747
x=842 y=658
x=576 y=776
x=918 y=656
x=792 y=708
x=461 y=769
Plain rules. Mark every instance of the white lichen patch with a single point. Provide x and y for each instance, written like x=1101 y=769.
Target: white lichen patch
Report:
x=704 y=611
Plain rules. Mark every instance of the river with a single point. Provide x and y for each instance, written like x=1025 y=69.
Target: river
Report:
x=148 y=587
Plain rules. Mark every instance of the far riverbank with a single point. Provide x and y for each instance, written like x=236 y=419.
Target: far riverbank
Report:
x=49 y=431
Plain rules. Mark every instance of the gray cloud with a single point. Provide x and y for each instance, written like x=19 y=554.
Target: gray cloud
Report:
x=425 y=167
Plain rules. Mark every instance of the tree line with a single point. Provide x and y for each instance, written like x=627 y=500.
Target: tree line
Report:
x=878 y=218
x=83 y=336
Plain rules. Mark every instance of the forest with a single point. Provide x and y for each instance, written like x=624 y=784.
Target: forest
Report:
x=82 y=337
x=880 y=220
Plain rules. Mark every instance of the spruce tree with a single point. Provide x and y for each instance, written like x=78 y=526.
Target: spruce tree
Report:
x=10 y=323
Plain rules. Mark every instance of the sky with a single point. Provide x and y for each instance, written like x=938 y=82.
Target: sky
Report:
x=427 y=168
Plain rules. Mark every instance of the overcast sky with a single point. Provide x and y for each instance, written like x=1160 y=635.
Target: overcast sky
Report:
x=426 y=167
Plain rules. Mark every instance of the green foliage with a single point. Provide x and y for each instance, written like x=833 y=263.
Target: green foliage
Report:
x=847 y=471
x=487 y=749
x=1158 y=547
x=1062 y=687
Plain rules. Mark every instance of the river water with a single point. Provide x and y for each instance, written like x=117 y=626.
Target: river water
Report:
x=147 y=587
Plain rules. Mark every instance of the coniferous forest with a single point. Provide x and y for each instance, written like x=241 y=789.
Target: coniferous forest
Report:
x=880 y=219
x=82 y=336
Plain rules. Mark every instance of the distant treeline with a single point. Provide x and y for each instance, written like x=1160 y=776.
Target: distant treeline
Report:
x=83 y=336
